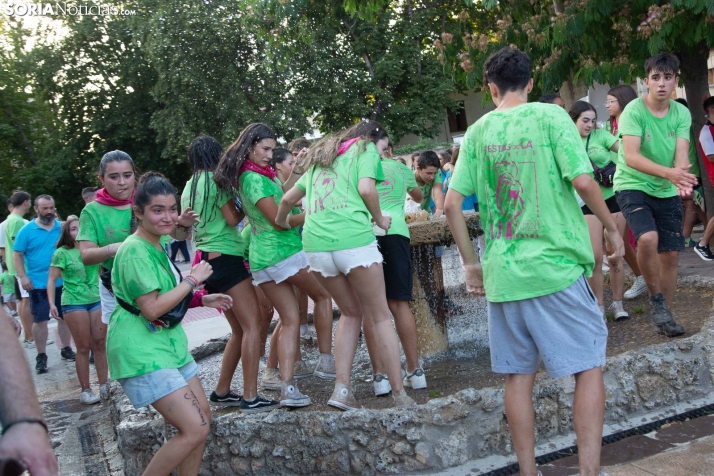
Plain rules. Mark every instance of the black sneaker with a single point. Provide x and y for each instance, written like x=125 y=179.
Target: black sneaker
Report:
x=68 y=354
x=41 y=365
x=230 y=399
x=258 y=404
x=662 y=318
x=704 y=252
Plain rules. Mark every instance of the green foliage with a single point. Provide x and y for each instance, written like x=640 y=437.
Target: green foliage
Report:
x=423 y=144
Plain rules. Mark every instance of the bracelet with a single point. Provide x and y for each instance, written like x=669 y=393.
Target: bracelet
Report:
x=38 y=421
x=297 y=173
x=185 y=229
x=193 y=282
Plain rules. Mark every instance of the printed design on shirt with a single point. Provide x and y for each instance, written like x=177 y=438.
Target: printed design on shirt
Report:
x=324 y=185
x=78 y=267
x=512 y=197
x=386 y=187
x=648 y=136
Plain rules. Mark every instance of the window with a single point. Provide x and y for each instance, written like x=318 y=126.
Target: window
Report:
x=457 y=119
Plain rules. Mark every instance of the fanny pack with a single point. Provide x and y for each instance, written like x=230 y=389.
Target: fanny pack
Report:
x=603 y=175
x=172 y=318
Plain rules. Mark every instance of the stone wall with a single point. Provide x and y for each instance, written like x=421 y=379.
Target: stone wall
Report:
x=443 y=433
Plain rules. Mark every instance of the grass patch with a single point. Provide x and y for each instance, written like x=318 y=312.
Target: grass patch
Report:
x=610 y=316
x=638 y=310
x=434 y=394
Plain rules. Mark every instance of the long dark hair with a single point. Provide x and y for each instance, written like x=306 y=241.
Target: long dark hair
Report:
x=325 y=151
x=624 y=95
x=279 y=156
x=65 y=238
x=226 y=173
x=204 y=152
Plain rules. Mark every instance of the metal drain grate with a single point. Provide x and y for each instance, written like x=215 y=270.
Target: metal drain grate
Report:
x=606 y=440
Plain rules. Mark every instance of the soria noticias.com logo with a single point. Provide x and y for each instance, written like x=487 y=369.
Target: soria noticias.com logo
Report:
x=48 y=9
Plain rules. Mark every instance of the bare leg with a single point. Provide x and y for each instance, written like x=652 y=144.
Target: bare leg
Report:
x=99 y=344
x=79 y=326
x=266 y=312
x=518 y=401
x=274 y=343
x=307 y=284
x=596 y=234
x=617 y=271
x=187 y=410
x=283 y=298
x=39 y=329
x=23 y=308
x=630 y=255
x=690 y=216
x=588 y=415
x=708 y=233
x=302 y=302
x=11 y=306
x=648 y=259
x=65 y=336
x=669 y=261
x=406 y=328
x=244 y=344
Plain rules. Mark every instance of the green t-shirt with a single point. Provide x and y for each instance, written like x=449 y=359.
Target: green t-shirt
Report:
x=81 y=283
x=426 y=191
x=133 y=349
x=104 y=225
x=520 y=163
x=270 y=246
x=8 y=283
x=599 y=152
x=13 y=225
x=659 y=141
x=693 y=155
x=398 y=180
x=336 y=217
x=213 y=234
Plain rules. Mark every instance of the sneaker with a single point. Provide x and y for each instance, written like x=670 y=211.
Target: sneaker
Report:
x=618 y=311
x=638 y=288
x=41 y=365
x=704 y=252
x=301 y=370
x=13 y=314
x=68 y=354
x=662 y=318
x=104 y=392
x=689 y=243
x=416 y=379
x=402 y=400
x=343 y=399
x=605 y=267
x=88 y=397
x=326 y=367
x=258 y=404
x=230 y=399
x=270 y=379
x=381 y=385
x=291 y=397
x=29 y=344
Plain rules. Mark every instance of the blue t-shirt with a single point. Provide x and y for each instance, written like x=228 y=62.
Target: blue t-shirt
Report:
x=38 y=245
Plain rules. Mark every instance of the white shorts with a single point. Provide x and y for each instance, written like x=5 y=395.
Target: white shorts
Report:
x=23 y=294
x=8 y=297
x=281 y=271
x=108 y=303
x=332 y=263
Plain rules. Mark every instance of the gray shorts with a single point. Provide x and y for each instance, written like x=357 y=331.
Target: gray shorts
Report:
x=565 y=330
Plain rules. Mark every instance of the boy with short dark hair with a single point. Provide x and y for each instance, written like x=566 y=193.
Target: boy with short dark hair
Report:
x=524 y=161
x=427 y=175
x=652 y=174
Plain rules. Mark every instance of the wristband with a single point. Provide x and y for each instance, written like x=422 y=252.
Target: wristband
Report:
x=185 y=229
x=38 y=421
x=193 y=282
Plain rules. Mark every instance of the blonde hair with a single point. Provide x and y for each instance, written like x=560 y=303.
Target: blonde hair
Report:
x=324 y=152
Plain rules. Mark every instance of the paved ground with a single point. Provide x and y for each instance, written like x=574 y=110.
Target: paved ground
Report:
x=83 y=436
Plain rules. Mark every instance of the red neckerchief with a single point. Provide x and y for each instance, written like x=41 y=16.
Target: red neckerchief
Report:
x=104 y=198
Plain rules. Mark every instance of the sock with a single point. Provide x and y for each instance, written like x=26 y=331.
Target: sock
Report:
x=304 y=329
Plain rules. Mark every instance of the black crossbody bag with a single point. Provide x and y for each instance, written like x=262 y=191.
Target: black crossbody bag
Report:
x=603 y=175
x=172 y=318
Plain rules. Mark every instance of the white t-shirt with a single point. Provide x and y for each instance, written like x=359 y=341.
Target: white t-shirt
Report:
x=2 y=234
x=705 y=140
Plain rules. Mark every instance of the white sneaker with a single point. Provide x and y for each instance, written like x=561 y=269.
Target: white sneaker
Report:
x=638 y=288
x=620 y=313
x=326 y=367
x=31 y=344
x=271 y=379
x=290 y=396
x=104 y=392
x=416 y=379
x=88 y=397
x=381 y=385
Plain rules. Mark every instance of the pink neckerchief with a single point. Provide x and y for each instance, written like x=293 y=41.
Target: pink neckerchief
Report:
x=614 y=127
x=249 y=166
x=346 y=145
x=104 y=198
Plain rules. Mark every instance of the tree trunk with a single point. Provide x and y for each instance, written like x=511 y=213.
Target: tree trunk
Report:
x=696 y=85
x=571 y=92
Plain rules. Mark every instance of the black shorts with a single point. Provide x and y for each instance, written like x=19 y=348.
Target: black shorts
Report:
x=397 y=266
x=611 y=205
x=40 y=305
x=645 y=213
x=228 y=270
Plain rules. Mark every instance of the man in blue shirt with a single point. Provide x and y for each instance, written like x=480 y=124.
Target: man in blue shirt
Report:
x=34 y=246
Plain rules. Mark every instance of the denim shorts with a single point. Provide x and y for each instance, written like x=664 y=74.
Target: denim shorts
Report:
x=144 y=390
x=565 y=330
x=645 y=213
x=40 y=304
x=82 y=307
x=333 y=263
x=281 y=271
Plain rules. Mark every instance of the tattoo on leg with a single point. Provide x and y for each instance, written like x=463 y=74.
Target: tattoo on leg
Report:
x=194 y=401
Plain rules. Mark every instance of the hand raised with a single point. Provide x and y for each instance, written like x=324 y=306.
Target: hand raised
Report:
x=201 y=271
